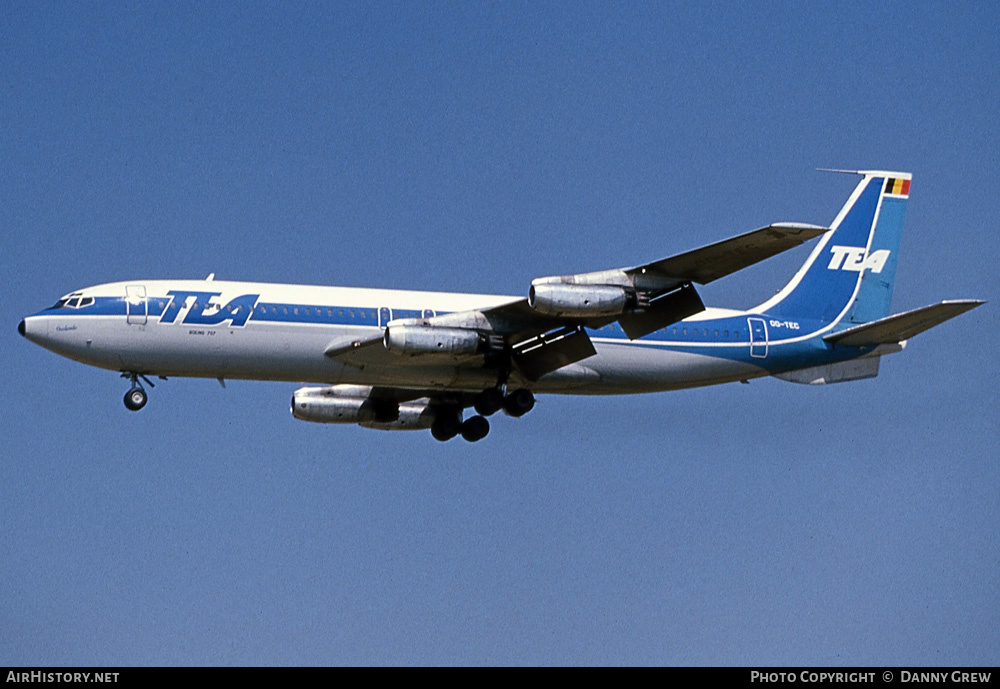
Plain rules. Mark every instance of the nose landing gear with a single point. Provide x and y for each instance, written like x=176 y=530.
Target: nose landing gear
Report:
x=136 y=397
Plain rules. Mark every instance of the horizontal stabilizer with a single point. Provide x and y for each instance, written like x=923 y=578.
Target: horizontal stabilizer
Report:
x=902 y=326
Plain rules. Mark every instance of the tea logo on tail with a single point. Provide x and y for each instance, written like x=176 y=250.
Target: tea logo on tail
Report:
x=853 y=258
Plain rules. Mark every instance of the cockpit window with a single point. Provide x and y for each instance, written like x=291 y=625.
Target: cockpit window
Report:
x=65 y=301
x=73 y=301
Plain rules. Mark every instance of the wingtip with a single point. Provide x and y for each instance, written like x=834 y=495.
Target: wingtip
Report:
x=968 y=303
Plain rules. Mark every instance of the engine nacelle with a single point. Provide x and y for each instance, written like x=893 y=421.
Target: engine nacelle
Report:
x=330 y=405
x=585 y=301
x=413 y=416
x=350 y=404
x=428 y=339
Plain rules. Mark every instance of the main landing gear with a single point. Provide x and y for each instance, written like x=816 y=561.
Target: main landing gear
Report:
x=449 y=422
x=136 y=397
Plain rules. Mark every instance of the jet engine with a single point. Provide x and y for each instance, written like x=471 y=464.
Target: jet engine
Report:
x=584 y=301
x=342 y=404
x=351 y=404
x=428 y=339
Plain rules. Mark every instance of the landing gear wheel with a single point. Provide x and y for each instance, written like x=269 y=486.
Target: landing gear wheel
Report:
x=446 y=426
x=135 y=399
x=519 y=402
x=475 y=428
x=488 y=401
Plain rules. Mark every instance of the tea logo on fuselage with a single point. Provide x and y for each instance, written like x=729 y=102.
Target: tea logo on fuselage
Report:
x=237 y=310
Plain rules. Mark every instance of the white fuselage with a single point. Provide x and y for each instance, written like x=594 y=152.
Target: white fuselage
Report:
x=277 y=332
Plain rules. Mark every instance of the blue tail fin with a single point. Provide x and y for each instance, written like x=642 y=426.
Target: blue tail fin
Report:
x=849 y=275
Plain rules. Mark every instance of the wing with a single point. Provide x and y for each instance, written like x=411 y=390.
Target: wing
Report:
x=546 y=331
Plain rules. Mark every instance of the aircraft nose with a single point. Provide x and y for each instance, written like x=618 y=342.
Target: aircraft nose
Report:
x=20 y=327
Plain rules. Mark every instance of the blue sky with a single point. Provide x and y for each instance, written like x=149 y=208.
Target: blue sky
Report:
x=473 y=147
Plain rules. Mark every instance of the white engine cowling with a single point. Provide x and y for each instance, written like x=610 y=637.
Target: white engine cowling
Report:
x=350 y=404
x=333 y=405
x=560 y=299
x=428 y=339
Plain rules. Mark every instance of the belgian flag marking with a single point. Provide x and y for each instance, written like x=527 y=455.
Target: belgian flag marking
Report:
x=897 y=187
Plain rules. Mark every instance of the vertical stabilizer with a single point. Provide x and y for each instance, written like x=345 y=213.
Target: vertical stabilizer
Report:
x=849 y=275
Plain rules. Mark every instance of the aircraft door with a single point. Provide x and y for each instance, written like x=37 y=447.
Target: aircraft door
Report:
x=758 y=337
x=136 y=306
x=384 y=316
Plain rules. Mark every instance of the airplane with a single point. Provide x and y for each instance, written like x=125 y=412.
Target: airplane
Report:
x=406 y=360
